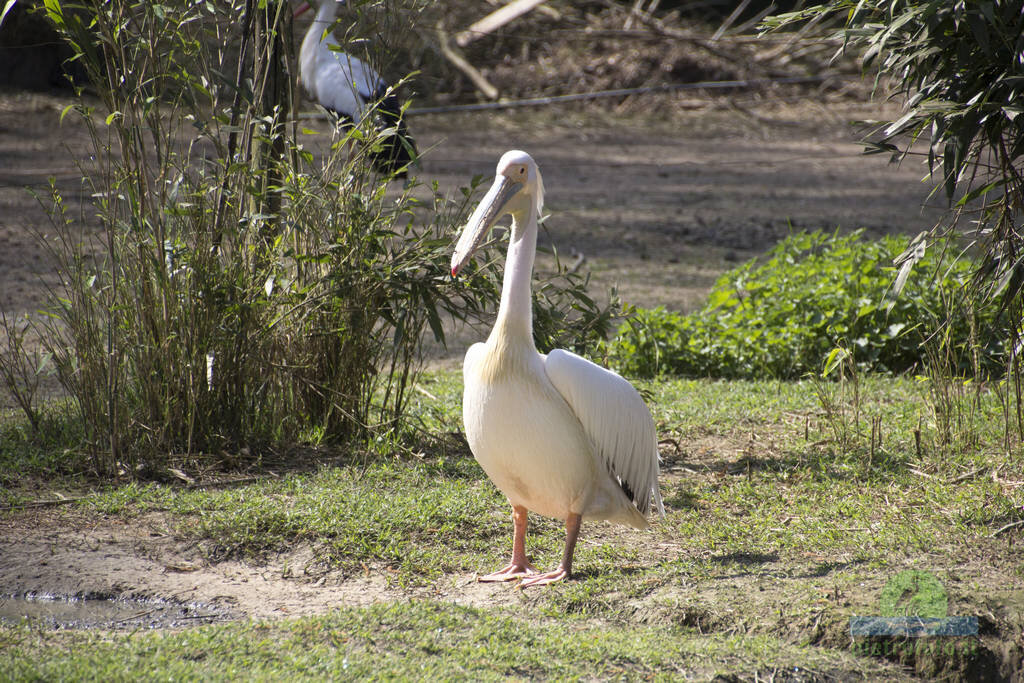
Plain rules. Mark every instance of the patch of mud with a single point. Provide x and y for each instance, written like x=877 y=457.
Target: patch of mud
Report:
x=143 y=561
x=91 y=610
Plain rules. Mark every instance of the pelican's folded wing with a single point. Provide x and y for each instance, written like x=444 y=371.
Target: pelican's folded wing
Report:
x=617 y=421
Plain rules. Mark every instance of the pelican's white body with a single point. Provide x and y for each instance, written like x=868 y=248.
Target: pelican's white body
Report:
x=530 y=441
x=556 y=434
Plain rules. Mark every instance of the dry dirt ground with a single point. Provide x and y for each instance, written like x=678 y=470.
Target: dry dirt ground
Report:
x=658 y=207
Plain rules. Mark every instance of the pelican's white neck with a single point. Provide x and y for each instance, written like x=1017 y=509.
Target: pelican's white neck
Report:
x=515 y=313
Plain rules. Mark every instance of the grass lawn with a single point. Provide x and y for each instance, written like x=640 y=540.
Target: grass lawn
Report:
x=789 y=508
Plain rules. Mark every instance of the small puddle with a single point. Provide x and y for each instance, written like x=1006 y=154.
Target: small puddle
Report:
x=106 y=612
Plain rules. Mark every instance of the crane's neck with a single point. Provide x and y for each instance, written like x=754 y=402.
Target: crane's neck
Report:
x=314 y=42
x=515 y=313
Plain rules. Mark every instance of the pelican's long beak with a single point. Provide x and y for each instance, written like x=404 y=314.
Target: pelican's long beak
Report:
x=301 y=9
x=488 y=211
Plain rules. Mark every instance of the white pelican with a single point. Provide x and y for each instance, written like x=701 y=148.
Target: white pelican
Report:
x=349 y=87
x=557 y=434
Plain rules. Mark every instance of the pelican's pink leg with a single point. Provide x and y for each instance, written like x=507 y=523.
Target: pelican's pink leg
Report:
x=520 y=566
x=564 y=571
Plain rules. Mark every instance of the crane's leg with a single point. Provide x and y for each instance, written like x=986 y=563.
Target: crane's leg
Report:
x=520 y=566
x=564 y=571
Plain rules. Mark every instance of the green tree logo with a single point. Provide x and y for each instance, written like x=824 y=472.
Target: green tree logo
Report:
x=914 y=593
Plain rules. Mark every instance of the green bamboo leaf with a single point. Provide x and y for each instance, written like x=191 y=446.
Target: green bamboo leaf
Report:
x=980 y=31
x=54 y=11
x=1008 y=276
x=980 y=192
x=8 y=6
x=834 y=360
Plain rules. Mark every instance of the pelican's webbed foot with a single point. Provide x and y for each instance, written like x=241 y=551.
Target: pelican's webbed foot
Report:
x=510 y=573
x=545 y=579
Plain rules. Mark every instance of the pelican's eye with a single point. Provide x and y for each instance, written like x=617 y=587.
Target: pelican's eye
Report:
x=522 y=171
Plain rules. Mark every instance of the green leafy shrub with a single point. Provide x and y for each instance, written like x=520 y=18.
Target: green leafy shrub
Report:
x=813 y=292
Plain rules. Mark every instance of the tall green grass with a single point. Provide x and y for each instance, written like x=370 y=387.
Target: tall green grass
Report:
x=238 y=291
x=228 y=289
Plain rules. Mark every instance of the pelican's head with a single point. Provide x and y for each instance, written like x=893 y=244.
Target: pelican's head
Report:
x=305 y=6
x=517 y=190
